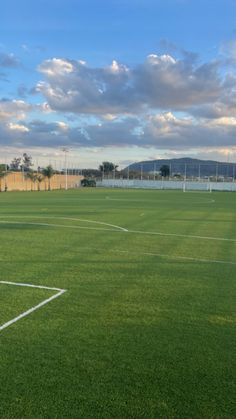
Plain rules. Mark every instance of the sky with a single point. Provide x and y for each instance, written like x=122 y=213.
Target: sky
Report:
x=118 y=80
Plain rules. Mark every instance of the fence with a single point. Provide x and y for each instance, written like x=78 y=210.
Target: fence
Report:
x=216 y=171
x=168 y=184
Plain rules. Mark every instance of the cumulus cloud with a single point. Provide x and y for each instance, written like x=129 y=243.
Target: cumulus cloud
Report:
x=159 y=82
x=56 y=67
x=161 y=131
x=18 y=127
x=35 y=133
x=167 y=131
x=13 y=109
x=162 y=103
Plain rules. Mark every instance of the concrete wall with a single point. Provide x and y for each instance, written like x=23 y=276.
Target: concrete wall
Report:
x=167 y=184
x=17 y=181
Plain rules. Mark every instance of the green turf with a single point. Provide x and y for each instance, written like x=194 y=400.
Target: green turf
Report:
x=146 y=328
x=15 y=300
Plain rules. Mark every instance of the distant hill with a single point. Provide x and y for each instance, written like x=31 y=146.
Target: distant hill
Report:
x=191 y=166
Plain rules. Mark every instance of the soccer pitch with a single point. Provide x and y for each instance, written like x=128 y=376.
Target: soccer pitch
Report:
x=130 y=312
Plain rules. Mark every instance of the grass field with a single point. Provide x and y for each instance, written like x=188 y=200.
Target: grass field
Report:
x=146 y=328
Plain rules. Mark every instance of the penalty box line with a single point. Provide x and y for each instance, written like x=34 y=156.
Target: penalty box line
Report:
x=32 y=309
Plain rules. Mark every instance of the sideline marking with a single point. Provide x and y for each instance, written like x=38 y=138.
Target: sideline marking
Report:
x=32 y=309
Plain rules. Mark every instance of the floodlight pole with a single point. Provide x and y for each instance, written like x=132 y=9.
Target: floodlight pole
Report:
x=216 y=172
x=65 y=150
x=6 y=174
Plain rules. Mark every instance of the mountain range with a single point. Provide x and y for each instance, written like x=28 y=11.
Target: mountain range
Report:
x=188 y=166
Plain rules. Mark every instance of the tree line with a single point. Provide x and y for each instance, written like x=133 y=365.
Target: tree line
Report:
x=24 y=164
x=107 y=168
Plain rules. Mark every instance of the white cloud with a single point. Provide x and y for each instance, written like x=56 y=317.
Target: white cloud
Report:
x=117 y=68
x=160 y=130
x=159 y=82
x=13 y=109
x=56 y=67
x=223 y=122
x=159 y=60
x=18 y=127
x=163 y=103
x=61 y=125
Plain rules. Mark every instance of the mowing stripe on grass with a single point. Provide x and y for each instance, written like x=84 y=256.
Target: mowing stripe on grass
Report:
x=121 y=230
x=70 y=219
x=157 y=254
x=32 y=309
x=177 y=257
x=66 y=226
x=139 y=232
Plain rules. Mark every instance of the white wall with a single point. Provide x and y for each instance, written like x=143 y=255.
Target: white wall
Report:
x=167 y=184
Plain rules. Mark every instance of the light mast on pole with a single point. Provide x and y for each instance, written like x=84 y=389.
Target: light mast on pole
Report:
x=66 y=150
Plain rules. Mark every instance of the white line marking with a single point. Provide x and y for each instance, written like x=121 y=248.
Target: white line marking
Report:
x=181 y=235
x=63 y=226
x=153 y=233
x=67 y=218
x=32 y=309
x=90 y=221
x=205 y=200
x=178 y=257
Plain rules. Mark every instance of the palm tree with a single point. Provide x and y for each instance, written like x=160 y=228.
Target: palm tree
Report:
x=39 y=180
x=33 y=177
x=107 y=167
x=3 y=174
x=48 y=172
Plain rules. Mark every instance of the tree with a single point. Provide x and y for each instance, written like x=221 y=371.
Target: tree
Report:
x=165 y=170
x=107 y=167
x=88 y=182
x=39 y=180
x=15 y=163
x=91 y=173
x=3 y=173
x=33 y=177
x=26 y=162
x=48 y=172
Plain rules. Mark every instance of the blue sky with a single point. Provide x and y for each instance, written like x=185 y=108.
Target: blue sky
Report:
x=119 y=80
